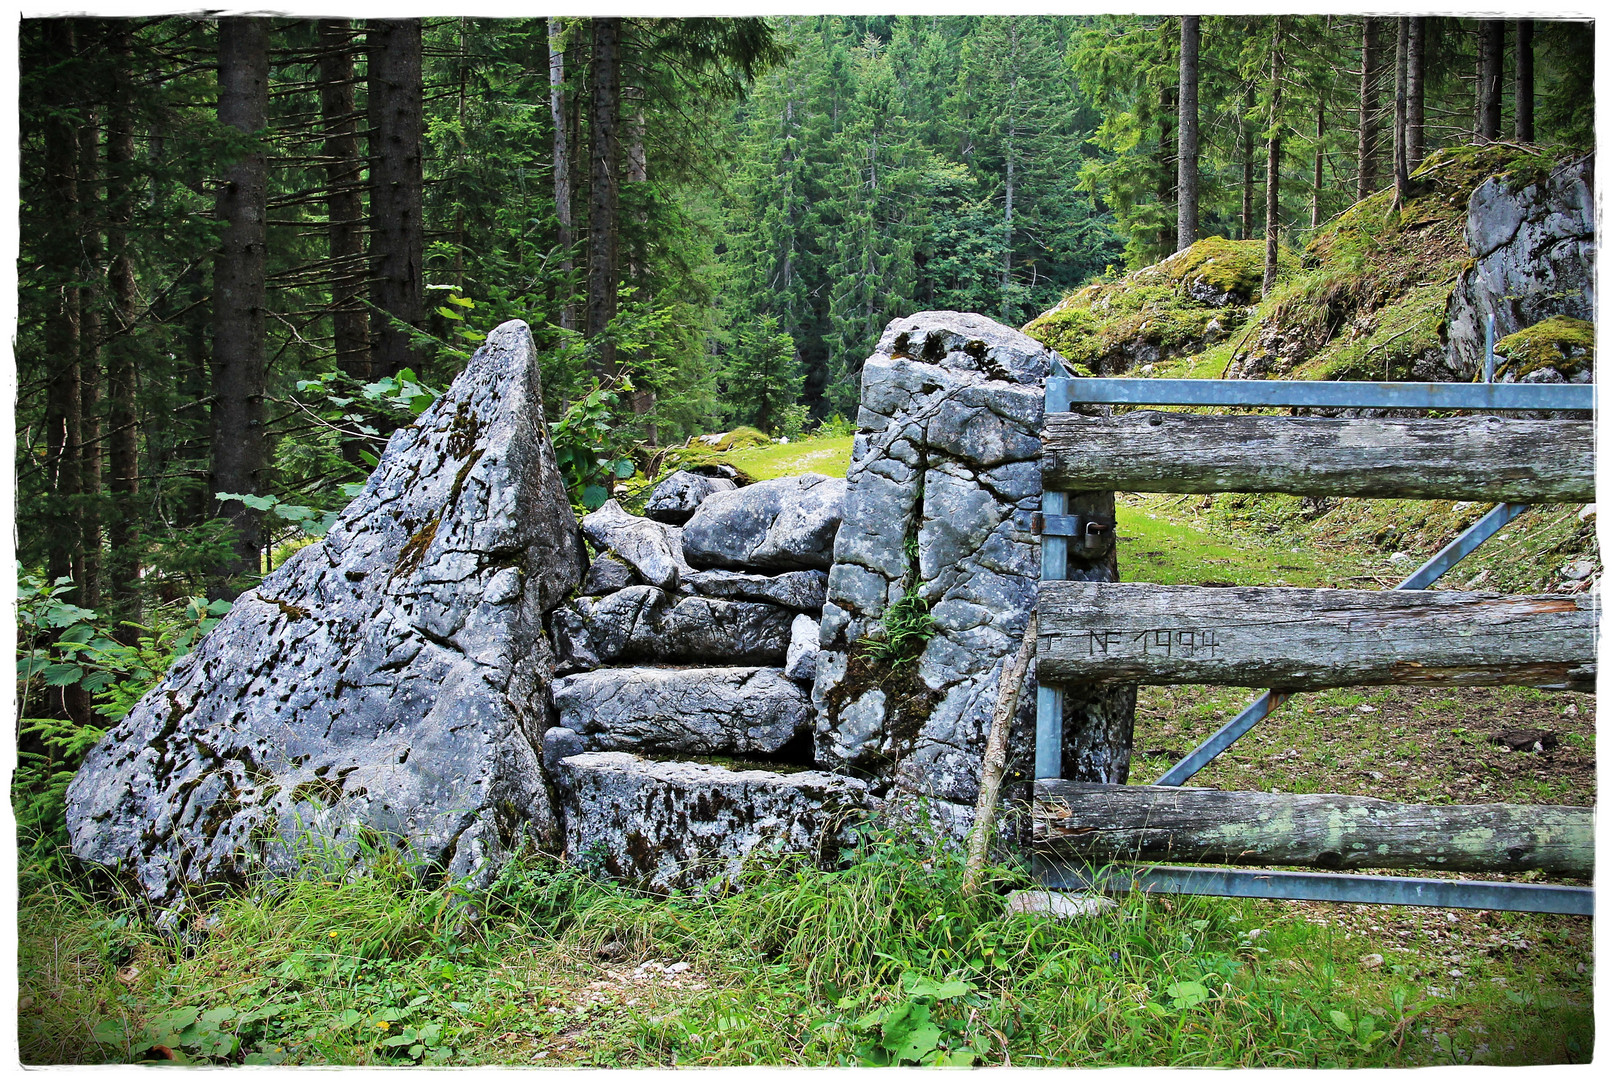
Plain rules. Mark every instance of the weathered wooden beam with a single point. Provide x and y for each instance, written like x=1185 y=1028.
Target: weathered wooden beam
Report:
x=1112 y=823
x=1470 y=457
x=1307 y=639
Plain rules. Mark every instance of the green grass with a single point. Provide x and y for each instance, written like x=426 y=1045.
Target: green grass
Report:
x=803 y=967
x=830 y=457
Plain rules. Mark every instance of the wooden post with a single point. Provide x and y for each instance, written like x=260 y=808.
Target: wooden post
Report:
x=994 y=763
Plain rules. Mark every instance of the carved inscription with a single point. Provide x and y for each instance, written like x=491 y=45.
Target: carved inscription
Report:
x=1181 y=643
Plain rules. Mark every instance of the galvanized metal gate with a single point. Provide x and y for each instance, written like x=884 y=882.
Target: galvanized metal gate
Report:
x=1059 y=530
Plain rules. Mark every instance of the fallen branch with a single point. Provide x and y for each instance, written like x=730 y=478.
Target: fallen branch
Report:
x=995 y=761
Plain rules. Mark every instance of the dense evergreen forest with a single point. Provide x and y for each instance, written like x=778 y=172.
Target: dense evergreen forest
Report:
x=251 y=248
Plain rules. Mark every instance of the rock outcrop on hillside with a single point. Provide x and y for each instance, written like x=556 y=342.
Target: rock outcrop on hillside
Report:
x=382 y=688
x=1532 y=239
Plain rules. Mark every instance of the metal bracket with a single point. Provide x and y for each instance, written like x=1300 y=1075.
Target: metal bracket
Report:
x=1090 y=535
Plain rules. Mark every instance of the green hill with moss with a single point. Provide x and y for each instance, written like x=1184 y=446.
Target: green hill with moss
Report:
x=1369 y=297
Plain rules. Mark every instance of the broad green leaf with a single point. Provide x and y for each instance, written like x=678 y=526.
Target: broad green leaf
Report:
x=462 y=301
x=219 y=607
x=449 y=313
x=63 y=674
x=624 y=468
x=1188 y=994
x=1341 y=1022
x=919 y=1041
x=594 y=496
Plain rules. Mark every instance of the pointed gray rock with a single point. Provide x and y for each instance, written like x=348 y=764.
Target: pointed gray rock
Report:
x=783 y=524
x=801 y=661
x=386 y=681
x=707 y=710
x=607 y=574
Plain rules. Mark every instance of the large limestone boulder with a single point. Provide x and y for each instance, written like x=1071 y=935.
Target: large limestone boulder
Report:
x=642 y=624
x=783 y=524
x=678 y=824
x=946 y=460
x=675 y=498
x=385 y=683
x=702 y=711
x=1533 y=256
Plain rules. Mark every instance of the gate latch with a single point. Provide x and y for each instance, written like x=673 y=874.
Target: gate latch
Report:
x=1090 y=535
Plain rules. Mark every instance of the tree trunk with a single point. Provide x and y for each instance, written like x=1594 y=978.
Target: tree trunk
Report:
x=239 y=450
x=1415 y=94
x=63 y=393
x=1273 y=165
x=562 y=165
x=1320 y=159
x=1401 y=150
x=87 y=558
x=1491 y=46
x=604 y=197
x=1007 y=226
x=1246 y=134
x=344 y=173
x=1186 y=215
x=1168 y=155
x=123 y=556
x=1524 y=93
x=396 y=188
x=1366 y=134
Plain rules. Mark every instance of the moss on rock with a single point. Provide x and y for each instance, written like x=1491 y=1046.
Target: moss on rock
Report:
x=1564 y=345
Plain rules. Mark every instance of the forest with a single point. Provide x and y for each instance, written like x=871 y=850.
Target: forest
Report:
x=252 y=249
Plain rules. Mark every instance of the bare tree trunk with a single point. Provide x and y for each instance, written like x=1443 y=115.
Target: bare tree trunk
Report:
x=239 y=450
x=1320 y=159
x=88 y=556
x=562 y=164
x=1491 y=47
x=1415 y=93
x=1524 y=92
x=1186 y=214
x=396 y=188
x=1366 y=134
x=1273 y=164
x=1401 y=70
x=344 y=172
x=123 y=556
x=604 y=197
x=63 y=393
x=1246 y=134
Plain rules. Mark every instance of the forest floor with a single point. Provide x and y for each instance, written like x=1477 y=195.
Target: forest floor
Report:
x=886 y=958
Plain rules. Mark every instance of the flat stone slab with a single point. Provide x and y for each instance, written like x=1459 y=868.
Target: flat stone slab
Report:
x=642 y=624
x=386 y=681
x=783 y=524
x=803 y=590
x=679 y=825
x=651 y=548
x=719 y=710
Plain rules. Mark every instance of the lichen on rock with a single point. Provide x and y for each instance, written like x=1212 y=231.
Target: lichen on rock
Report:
x=383 y=687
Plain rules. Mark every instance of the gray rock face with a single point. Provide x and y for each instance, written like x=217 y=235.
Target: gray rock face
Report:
x=783 y=524
x=801 y=662
x=388 y=678
x=803 y=590
x=723 y=710
x=675 y=498
x=640 y=623
x=947 y=453
x=651 y=548
x=1533 y=252
x=680 y=825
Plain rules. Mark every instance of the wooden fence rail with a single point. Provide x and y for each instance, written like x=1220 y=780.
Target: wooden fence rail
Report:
x=1475 y=457
x=1309 y=639
x=1107 y=822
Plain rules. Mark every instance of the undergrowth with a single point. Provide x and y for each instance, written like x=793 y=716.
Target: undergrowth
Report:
x=884 y=960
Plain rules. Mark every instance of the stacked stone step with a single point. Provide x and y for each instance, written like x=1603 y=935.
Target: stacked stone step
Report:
x=695 y=637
